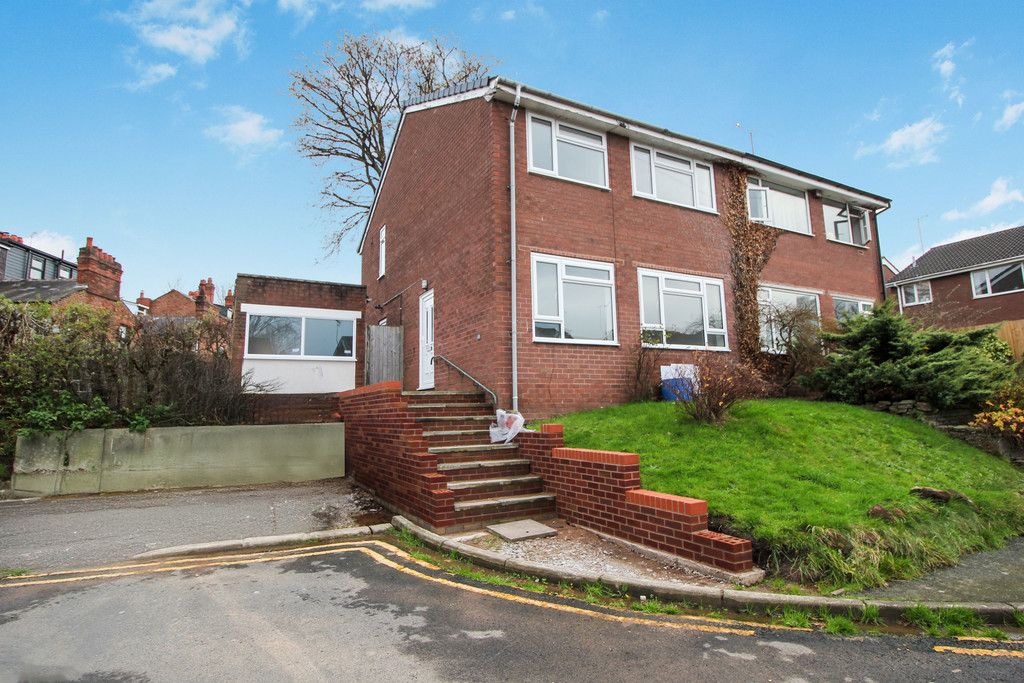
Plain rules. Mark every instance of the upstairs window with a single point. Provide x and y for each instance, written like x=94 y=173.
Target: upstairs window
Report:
x=778 y=205
x=672 y=179
x=845 y=223
x=64 y=272
x=285 y=332
x=916 y=293
x=567 y=152
x=35 y=268
x=573 y=300
x=999 y=280
x=681 y=311
x=380 y=253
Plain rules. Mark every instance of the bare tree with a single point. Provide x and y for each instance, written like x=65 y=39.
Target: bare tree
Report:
x=350 y=98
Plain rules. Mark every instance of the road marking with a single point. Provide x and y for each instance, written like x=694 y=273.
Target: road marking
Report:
x=683 y=622
x=979 y=653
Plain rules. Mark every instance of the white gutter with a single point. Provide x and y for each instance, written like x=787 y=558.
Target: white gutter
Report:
x=512 y=261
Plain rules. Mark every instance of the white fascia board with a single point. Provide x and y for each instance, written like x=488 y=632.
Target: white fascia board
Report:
x=669 y=142
x=299 y=312
x=958 y=271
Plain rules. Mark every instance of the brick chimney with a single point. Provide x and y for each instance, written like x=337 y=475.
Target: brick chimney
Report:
x=229 y=300
x=204 y=297
x=144 y=303
x=99 y=272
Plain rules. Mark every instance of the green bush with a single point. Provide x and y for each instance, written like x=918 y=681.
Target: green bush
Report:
x=884 y=356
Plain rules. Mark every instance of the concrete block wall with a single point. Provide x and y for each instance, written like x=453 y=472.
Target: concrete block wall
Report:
x=600 y=490
x=107 y=460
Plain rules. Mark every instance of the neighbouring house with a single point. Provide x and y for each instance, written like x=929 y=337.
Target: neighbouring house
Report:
x=298 y=336
x=195 y=304
x=977 y=281
x=32 y=275
x=528 y=239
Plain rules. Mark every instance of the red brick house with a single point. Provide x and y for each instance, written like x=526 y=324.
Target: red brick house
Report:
x=977 y=281
x=528 y=239
x=195 y=304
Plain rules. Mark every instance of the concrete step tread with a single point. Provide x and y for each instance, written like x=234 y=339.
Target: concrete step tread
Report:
x=508 y=501
x=443 y=406
x=458 y=432
x=455 y=418
x=481 y=464
x=473 y=448
x=504 y=481
x=433 y=392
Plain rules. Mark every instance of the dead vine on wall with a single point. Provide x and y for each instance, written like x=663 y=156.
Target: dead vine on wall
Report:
x=752 y=245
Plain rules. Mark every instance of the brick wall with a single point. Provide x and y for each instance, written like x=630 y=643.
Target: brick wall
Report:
x=386 y=452
x=296 y=408
x=953 y=304
x=445 y=202
x=277 y=291
x=601 y=491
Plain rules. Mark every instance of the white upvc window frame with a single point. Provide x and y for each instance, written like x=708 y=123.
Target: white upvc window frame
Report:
x=33 y=260
x=648 y=326
x=304 y=314
x=558 y=318
x=657 y=158
x=381 y=251
x=774 y=345
x=764 y=187
x=863 y=305
x=831 y=234
x=919 y=288
x=559 y=133
x=986 y=273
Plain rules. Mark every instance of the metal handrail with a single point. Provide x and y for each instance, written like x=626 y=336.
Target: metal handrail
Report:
x=494 y=398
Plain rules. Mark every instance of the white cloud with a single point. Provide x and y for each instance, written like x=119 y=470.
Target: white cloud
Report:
x=1011 y=115
x=942 y=61
x=195 y=29
x=378 y=5
x=245 y=132
x=913 y=144
x=534 y=9
x=1000 y=195
x=508 y=15
x=600 y=15
x=147 y=75
x=53 y=243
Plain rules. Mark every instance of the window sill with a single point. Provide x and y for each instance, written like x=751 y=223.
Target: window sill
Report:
x=670 y=347
x=713 y=212
x=850 y=244
x=575 y=342
x=555 y=176
x=989 y=296
x=779 y=227
x=918 y=303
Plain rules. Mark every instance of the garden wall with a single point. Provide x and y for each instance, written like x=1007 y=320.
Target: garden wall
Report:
x=600 y=490
x=107 y=460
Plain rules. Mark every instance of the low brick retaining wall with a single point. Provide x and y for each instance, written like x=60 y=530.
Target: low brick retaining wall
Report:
x=106 y=460
x=600 y=490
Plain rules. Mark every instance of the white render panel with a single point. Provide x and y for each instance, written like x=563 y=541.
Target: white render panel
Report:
x=295 y=376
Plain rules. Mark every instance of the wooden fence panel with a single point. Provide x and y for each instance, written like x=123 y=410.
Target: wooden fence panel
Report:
x=384 y=357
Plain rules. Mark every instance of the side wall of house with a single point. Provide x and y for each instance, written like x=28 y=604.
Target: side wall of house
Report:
x=438 y=206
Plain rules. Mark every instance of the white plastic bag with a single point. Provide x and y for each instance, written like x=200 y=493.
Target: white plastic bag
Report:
x=506 y=427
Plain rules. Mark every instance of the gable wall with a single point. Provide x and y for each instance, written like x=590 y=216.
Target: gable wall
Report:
x=438 y=203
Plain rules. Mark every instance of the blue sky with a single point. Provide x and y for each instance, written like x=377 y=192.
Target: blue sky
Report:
x=162 y=128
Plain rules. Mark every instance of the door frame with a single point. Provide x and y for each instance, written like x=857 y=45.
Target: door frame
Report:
x=427 y=341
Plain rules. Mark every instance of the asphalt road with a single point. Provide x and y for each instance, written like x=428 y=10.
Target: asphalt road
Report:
x=364 y=611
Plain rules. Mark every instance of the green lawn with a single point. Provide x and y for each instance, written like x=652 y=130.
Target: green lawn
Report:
x=798 y=478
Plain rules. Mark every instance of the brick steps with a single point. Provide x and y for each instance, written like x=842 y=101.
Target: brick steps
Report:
x=488 y=482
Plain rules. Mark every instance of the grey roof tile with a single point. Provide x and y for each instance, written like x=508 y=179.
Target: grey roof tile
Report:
x=965 y=254
x=21 y=291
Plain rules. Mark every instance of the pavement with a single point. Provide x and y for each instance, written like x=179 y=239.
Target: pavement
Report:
x=50 y=534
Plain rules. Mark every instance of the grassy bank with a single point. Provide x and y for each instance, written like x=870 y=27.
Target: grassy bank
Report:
x=799 y=478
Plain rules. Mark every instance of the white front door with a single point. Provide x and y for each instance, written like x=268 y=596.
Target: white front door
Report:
x=427 y=340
